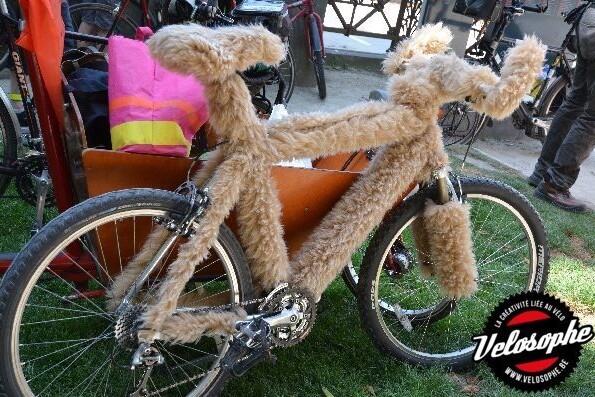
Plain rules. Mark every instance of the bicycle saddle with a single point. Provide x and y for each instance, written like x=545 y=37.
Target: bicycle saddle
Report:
x=260 y=8
x=214 y=54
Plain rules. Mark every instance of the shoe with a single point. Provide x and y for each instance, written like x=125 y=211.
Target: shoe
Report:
x=560 y=198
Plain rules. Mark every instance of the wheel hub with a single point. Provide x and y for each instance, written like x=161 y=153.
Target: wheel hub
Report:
x=398 y=261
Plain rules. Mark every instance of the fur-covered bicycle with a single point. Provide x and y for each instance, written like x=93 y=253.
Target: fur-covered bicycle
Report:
x=176 y=304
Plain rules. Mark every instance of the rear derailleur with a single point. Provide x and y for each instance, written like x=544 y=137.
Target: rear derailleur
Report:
x=284 y=319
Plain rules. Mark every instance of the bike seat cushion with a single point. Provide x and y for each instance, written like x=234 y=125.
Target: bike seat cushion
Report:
x=260 y=8
x=214 y=54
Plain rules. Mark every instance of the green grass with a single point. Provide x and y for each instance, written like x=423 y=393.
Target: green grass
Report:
x=339 y=357
x=16 y=218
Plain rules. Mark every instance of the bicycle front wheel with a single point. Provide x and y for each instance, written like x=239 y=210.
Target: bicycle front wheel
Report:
x=406 y=315
x=8 y=145
x=57 y=336
x=318 y=62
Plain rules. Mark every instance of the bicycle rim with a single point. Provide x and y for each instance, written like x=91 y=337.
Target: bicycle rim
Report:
x=510 y=256
x=550 y=103
x=64 y=340
x=100 y=18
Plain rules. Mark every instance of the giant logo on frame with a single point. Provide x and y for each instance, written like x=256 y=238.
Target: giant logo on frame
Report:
x=532 y=341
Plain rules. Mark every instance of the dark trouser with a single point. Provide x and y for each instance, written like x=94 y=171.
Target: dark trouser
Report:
x=571 y=137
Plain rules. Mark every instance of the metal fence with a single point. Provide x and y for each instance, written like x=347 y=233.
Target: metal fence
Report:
x=352 y=21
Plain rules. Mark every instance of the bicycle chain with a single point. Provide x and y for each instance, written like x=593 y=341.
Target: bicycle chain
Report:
x=228 y=306
x=166 y=388
x=206 y=310
x=274 y=298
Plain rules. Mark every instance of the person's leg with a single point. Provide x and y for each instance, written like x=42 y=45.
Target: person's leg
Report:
x=579 y=141
x=568 y=112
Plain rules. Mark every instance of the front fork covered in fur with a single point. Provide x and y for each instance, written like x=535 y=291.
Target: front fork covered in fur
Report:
x=442 y=236
x=445 y=189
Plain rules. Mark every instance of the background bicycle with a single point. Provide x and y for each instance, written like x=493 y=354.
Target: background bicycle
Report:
x=314 y=39
x=106 y=17
x=462 y=125
x=22 y=153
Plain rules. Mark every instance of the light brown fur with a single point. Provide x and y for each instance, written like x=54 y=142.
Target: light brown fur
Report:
x=406 y=127
x=449 y=237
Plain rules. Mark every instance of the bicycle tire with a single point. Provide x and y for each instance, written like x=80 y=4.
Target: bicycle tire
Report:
x=8 y=145
x=124 y=27
x=31 y=290
x=287 y=70
x=550 y=102
x=318 y=63
x=498 y=214
x=5 y=56
x=460 y=124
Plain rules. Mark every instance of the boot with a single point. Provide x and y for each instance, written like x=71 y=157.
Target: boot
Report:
x=561 y=198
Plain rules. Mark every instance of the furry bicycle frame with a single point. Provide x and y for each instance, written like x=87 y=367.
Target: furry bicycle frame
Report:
x=423 y=76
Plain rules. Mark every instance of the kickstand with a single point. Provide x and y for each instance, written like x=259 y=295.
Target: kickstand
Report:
x=42 y=186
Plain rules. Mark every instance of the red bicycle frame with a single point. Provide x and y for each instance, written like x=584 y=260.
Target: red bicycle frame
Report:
x=58 y=168
x=307 y=12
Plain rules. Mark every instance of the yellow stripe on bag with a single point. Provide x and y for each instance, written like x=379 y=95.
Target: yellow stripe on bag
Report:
x=163 y=133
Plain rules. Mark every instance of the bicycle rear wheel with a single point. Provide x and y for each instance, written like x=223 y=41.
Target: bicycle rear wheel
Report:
x=550 y=103
x=511 y=253
x=97 y=19
x=287 y=70
x=57 y=336
x=8 y=145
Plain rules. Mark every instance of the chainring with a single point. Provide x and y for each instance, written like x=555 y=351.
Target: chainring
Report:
x=32 y=165
x=399 y=260
x=287 y=298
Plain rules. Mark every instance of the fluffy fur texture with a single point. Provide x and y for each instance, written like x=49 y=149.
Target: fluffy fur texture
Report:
x=406 y=126
x=429 y=40
x=449 y=242
x=362 y=208
x=188 y=328
x=135 y=267
x=215 y=54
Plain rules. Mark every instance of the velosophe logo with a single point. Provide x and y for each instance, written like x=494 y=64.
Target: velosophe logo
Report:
x=532 y=341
